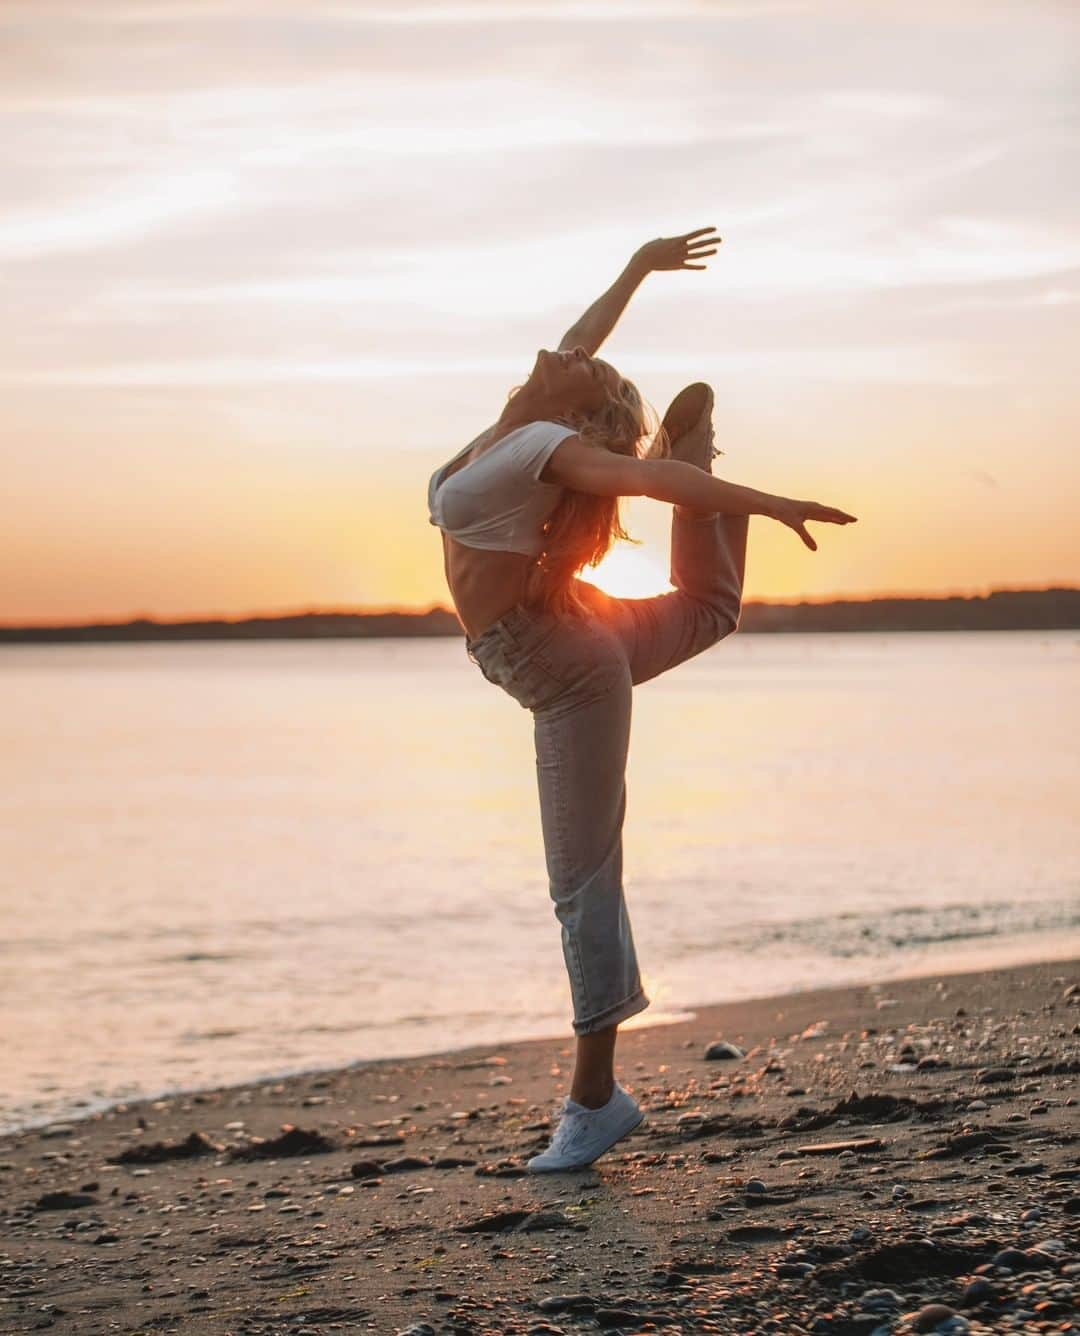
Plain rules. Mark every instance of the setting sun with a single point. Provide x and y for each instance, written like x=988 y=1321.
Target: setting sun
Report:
x=628 y=572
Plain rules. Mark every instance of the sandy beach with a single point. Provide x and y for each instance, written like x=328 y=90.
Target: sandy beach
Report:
x=885 y=1158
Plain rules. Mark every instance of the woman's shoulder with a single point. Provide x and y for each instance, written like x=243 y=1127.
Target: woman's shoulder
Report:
x=550 y=425
x=541 y=433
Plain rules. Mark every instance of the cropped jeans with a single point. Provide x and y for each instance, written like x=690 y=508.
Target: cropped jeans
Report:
x=576 y=677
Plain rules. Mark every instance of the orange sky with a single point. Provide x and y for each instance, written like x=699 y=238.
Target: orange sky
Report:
x=267 y=265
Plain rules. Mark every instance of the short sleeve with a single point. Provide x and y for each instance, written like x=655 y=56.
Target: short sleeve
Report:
x=537 y=444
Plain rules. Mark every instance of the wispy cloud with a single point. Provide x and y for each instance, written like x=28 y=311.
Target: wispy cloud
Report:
x=116 y=219
x=916 y=364
x=562 y=11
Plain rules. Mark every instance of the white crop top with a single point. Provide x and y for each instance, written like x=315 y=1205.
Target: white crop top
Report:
x=497 y=500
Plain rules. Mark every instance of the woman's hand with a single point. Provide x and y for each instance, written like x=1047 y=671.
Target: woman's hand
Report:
x=795 y=514
x=677 y=252
x=596 y=324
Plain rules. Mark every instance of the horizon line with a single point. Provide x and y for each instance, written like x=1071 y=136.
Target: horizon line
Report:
x=418 y=610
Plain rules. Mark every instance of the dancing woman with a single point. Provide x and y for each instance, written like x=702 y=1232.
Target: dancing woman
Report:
x=522 y=509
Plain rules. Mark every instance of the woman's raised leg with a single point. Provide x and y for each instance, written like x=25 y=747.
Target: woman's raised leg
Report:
x=708 y=563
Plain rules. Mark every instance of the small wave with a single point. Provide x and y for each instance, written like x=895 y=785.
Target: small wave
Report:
x=193 y=957
x=884 y=932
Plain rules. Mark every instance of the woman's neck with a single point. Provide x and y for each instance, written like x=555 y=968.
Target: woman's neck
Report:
x=528 y=405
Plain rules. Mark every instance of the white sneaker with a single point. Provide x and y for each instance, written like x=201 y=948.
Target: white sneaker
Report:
x=584 y=1134
x=688 y=423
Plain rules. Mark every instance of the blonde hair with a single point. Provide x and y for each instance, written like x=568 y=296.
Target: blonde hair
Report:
x=582 y=528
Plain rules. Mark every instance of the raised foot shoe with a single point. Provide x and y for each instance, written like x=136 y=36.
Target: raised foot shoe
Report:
x=688 y=423
x=584 y=1134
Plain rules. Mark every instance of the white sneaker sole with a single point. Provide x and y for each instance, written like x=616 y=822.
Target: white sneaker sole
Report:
x=694 y=444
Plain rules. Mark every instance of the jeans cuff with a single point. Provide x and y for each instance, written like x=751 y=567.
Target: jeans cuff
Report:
x=614 y=1015
x=696 y=516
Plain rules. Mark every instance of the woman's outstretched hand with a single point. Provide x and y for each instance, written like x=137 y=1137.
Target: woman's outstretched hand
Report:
x=795 y=514
x=678 y=252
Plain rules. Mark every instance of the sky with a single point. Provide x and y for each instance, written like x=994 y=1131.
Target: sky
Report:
x=265 y=266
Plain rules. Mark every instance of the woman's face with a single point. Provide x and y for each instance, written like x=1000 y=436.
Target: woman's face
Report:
x=574 y=380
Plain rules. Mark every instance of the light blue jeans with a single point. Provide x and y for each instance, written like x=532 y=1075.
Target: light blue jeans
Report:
x=577 y=678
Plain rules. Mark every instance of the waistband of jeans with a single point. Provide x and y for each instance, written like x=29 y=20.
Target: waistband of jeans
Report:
x=506 y=627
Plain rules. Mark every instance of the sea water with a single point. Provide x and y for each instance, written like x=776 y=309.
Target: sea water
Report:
x=221 y=861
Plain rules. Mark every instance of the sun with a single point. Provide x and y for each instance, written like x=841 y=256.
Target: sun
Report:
x=628 y=572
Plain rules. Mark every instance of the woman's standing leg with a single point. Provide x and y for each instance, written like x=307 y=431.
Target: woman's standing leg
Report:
x=582 y=742
x=575 y=679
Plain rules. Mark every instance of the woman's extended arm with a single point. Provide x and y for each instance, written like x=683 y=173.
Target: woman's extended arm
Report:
x=692 y=488
x=586 y=468
x=688 y=486
x=664 y=253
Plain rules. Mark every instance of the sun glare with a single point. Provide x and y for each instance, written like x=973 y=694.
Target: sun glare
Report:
x=628 y=572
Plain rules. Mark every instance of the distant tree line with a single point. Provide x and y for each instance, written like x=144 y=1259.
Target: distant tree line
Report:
x=1001 y=610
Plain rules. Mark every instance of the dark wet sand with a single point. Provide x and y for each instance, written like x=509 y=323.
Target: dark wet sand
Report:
x=399 y=1198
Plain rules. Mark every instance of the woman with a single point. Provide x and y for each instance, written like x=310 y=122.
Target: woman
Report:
x=523 y=508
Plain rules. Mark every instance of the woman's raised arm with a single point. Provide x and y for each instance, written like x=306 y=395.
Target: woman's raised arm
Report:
x=590 y=331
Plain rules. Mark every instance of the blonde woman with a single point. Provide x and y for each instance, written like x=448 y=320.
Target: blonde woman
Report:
x=523 y=508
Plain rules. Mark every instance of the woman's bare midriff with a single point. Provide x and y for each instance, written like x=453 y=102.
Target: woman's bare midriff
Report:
x=484 y=585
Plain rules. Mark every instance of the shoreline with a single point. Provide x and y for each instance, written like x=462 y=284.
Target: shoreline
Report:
x=392 y=1192
x=954 y=962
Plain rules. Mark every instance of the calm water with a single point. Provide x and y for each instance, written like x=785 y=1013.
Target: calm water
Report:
x=221 y=861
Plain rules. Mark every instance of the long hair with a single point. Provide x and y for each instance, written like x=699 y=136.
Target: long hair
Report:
x=582 y=527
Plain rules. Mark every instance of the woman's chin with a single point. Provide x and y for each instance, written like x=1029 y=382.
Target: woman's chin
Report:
x=543 y=367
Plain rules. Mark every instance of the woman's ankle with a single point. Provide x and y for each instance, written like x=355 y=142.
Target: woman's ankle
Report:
x=593 y=1097
x=686 y=513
